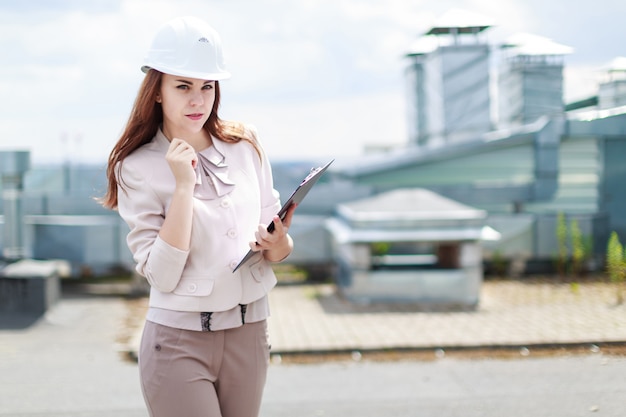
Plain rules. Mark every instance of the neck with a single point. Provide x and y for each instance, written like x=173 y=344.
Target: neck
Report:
x=199 y=141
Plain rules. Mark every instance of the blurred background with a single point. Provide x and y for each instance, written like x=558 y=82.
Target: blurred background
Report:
x=501 y=107
x=317 y=77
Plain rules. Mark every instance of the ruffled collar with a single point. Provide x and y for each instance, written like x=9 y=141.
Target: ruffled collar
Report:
x=212 y=174
x=212 y=179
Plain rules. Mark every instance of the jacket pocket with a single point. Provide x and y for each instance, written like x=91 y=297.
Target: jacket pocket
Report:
x=260 y=270
x=194 y=287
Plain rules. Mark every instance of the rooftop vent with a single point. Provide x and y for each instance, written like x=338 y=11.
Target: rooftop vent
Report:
x=448 y=81
x=612 y=92
x=530 y=84
x=13 y=166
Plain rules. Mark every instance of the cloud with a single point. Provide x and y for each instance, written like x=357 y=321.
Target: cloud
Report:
x=319 y=70
x=325 y=128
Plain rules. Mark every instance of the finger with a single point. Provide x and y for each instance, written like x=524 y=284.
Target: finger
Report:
x=178 y=141
x=262 y=235
x=289 y=215
x=181 y=150
x=177 y=144
x=279 y=226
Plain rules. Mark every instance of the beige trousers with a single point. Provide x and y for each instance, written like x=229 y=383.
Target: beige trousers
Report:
x=186 y=373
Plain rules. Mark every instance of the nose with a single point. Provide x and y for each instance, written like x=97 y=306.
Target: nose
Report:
x=196 y=99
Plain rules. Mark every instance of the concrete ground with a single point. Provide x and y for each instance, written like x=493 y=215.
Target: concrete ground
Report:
x=68 y=364
x=553 y=386
x=530 y=349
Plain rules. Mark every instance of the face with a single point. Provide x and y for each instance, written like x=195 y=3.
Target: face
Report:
x=187 y=104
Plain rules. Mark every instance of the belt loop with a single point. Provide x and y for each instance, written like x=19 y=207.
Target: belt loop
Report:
x=205 y=320
x=243 y=308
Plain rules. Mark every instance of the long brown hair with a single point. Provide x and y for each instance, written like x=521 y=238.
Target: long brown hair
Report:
x=145 y=119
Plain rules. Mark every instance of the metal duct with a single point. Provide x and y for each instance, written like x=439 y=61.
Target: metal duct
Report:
x=13 y=166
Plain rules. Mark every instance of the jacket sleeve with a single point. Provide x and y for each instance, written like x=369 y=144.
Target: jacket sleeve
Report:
x=143 y=211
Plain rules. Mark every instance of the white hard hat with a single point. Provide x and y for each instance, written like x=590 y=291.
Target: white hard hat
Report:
x=188 y=47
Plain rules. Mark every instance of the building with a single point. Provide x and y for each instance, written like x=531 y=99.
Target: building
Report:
x=517 y=152
x=539 y=159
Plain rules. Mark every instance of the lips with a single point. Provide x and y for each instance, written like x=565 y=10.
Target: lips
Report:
x=195 y=116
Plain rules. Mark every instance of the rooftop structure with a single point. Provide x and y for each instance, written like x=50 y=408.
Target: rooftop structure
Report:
x=530 y=82
x=448 y=81
x=409 y=245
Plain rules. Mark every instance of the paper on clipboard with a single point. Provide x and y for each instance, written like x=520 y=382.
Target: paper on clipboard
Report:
x=296 y=197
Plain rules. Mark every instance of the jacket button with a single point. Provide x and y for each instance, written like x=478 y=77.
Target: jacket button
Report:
x=192 y=287
x=233 y=264
x=225 y=203
x=232 y=233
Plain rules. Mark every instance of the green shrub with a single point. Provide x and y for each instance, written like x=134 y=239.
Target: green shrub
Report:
x=616 y=264
x=573 y=248
x=578 y=248
x=561 y=236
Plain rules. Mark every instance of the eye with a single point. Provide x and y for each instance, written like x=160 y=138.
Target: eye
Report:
x=183 y=87
x=207 y=87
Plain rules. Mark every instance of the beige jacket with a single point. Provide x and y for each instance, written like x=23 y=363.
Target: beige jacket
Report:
x=234 y=194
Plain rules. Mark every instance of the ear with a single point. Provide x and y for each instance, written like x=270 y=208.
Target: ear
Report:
x=158 y=98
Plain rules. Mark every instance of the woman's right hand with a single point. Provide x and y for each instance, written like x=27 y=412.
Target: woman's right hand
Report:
x=182 y=159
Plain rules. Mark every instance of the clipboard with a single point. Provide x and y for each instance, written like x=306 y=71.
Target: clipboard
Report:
x=296 y=198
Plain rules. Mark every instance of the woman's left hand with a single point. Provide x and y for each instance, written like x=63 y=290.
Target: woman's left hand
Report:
x=277 y=244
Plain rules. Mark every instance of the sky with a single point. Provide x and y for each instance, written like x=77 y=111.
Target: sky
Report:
x=318 y=78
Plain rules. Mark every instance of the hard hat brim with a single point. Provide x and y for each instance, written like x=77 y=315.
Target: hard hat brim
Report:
x=209 y=76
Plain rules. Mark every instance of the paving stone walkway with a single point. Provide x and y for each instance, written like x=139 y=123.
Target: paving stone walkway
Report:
x=316 y=319
x=510 y=313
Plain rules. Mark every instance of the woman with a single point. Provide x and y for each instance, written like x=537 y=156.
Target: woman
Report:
x=197 y=194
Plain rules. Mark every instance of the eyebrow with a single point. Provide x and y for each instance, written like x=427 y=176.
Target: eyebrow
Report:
x=190 y=83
